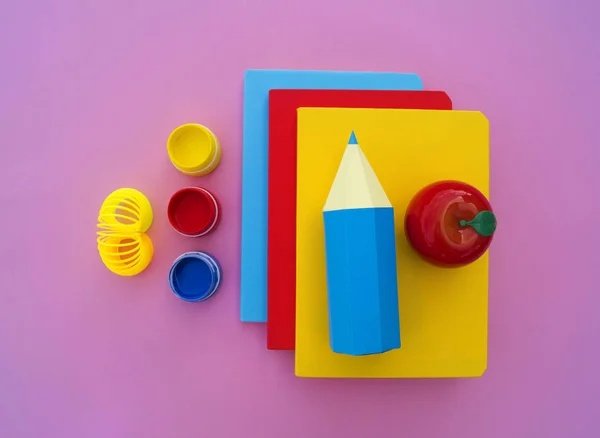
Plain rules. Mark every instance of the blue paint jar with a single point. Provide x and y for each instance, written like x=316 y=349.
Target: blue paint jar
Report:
x=195 y=276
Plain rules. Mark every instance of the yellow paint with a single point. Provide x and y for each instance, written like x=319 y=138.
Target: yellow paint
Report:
x=194 y=149
x=443 y=312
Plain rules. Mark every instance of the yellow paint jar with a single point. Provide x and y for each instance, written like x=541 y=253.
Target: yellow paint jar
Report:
x=194 y=149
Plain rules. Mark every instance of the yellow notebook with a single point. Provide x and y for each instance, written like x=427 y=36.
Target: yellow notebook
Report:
x=443 y=312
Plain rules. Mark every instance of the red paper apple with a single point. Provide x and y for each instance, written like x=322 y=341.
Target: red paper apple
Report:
x=450 y=223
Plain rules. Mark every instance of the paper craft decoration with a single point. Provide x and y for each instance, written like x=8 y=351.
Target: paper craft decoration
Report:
x=443 y=312
x=360 y=248
x=283 y=104
x=257 y=84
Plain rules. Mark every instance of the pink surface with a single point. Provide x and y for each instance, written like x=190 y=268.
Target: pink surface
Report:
x=88 y=96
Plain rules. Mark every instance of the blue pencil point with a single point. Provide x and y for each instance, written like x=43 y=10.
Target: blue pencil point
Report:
x=360 y=247
x=352 y=139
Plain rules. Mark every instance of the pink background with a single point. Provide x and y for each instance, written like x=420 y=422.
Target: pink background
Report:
x=88 y=96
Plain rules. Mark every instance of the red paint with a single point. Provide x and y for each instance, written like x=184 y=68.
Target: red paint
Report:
x=281 y=263
x=432 y=223
x=193 y=211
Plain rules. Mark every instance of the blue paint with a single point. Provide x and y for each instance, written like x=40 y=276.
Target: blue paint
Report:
x=193 y=279
x=362 y=285
x=195 y=276
x=352 y=139
x=255 y=184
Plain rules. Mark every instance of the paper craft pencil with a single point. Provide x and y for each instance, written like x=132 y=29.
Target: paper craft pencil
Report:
x=360 y=245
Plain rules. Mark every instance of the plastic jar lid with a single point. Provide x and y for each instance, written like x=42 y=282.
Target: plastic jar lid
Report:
x=193 y=211
x=195 y=276
x=194 y=149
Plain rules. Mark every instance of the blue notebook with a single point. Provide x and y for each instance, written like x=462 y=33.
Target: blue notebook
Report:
x=257 y=83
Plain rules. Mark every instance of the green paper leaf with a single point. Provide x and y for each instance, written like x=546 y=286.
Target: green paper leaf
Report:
x=484 y=223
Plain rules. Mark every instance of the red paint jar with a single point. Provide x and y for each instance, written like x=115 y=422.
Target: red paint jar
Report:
x=193 y=211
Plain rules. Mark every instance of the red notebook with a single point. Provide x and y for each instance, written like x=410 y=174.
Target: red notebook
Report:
x=281 y=263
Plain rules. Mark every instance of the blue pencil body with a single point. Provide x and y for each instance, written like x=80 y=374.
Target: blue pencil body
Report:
x=362 y=282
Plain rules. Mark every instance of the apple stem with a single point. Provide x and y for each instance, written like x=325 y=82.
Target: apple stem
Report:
x=484 y=223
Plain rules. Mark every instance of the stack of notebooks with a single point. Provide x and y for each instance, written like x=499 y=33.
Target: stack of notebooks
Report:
x=296 y=127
